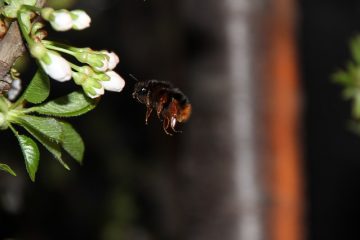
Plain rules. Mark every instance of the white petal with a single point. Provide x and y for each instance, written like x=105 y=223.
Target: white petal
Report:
x=113 y=60
x=104 y=67
x=15 y=89
x=58 y=69
x=16 y=83
x=81 y=20
x=115 y=84
x=98 y=92
x=12 y=94
x=61 y=20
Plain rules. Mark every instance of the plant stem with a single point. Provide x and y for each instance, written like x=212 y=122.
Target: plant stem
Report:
x=75 y=67
x=3 y=105
x=18 y=102
x=62 y=45
x=28 y=110
x=59 y=49
x=13 y=129
x=23 y=30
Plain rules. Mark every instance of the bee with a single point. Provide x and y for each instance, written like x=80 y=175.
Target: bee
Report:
x=170 y=104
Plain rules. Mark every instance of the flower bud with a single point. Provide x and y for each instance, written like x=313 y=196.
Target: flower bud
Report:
x=61 y=20
x=37 y=31
x=113 y=59
x=104 y=64
x=79 y=78
x=37 y=27
x=93 y=88
x=46 y=13
x=99 y=61
x=38 y=50
x=80 y=19
x=56 y=66
x=15 y=89
x=115 y=82
x=86 y=70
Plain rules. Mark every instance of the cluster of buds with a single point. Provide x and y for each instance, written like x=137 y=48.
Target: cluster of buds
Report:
x=95 y=83
x=95 y=76
x=64 y=20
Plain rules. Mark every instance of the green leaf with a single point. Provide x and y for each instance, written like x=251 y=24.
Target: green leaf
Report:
x=354 y=74
x=72 y=142
x=53 y=147
x=349 y=92
x=343 y=78
x=48 y=127
x=354 y=126
x=39 y=88
x=356 y=106
x=355 y=49
x=73 y=104
x=13 y=7
x=6 y=168
x=31 y=154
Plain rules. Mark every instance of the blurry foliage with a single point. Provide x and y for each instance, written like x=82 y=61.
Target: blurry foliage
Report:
x=349 y=78
x=121 y=211
x=32 y=111
x=61 y=4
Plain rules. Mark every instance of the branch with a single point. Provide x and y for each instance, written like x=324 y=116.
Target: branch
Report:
x=12 y=47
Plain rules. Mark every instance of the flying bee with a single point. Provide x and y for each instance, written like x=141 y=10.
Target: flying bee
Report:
x=170 y=104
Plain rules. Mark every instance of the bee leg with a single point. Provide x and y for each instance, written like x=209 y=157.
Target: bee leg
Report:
x=160 y=105
x=159 y=108
x=166 y=126
x=173 y=124
x=148 y=99
x=148 y=113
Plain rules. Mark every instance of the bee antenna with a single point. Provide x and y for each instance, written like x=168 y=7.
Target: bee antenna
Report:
x=133 y=77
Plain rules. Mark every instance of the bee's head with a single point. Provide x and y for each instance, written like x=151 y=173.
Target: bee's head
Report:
x=141 y=91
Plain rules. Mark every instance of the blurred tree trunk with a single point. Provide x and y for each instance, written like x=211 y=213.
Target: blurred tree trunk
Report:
x=223 y=158
x=282 y=113
x=240 y=171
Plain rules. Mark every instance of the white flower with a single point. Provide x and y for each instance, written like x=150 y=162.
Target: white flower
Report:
x=80 y=19
x=56 y=67
x=38 y=50
x=113 y=59
x=96 y=60
x=15 y=89
x=61 y=20
x=105 y=64
x=96 y=92
x=115 y=83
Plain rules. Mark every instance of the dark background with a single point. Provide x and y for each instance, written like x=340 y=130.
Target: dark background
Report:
x=331 y=149
x=128 y=185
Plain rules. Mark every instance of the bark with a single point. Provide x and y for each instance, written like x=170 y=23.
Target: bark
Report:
x=11 y=47
x=221 y=164
x=242 y=149
x=282 y=113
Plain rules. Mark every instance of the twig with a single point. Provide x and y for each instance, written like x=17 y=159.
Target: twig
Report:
x=12 y=47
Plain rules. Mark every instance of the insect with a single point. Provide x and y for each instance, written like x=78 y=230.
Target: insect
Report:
x=170 y=104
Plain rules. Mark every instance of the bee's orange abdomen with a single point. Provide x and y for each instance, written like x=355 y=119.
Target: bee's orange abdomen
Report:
x=185 y=113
